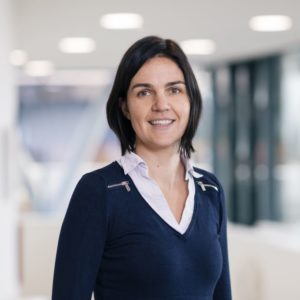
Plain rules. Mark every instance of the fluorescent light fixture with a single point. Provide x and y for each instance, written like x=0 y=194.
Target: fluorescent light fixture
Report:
x=270 y=23
x=121 y=21
x=198 y=47
x=18 y=57
x=39 y=68
x=77 y=45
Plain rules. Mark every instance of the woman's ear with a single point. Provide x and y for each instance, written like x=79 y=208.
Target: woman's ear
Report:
x=124 y=108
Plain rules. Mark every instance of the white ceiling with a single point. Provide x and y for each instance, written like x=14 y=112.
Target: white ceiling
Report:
x=40 y=24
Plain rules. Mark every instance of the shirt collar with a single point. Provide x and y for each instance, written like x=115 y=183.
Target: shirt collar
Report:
x=188 y=163
x=130 y=160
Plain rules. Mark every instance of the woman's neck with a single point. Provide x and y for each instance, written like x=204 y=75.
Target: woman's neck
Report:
x=165 y=166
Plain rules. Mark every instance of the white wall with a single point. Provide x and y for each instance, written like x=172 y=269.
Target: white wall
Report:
x=8 y=211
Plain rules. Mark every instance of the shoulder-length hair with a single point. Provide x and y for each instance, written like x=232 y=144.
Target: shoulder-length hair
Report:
x=134 y=58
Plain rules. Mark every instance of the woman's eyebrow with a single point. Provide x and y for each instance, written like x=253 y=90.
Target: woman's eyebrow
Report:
x=148 y=85
x=175 y=82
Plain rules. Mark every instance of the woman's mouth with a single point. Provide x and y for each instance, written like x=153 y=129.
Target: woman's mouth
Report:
x=161 y=122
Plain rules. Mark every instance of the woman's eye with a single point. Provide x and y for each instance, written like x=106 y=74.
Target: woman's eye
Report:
x=174 y=90
x=143 y=93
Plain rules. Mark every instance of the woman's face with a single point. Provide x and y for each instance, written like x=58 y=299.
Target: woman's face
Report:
x=158 y=105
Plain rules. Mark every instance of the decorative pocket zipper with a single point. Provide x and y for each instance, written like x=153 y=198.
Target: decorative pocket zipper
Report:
x=123 y=183
x=204 y=185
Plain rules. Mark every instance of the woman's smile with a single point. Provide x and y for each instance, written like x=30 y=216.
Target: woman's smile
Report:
x=161 y=122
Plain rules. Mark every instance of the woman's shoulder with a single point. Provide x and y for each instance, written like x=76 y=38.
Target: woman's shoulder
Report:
x=111 y=171
x=211 y=186
x=207 y=176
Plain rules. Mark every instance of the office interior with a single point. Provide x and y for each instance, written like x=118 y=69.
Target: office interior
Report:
x=57 y=63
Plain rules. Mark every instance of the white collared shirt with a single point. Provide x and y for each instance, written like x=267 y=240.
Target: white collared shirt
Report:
x=137 y=169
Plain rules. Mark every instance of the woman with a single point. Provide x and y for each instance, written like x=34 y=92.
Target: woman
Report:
x=149 y=225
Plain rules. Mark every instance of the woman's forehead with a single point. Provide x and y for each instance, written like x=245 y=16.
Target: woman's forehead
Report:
x=157 y=70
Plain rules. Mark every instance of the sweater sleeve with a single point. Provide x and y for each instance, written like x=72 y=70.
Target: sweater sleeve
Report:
x=81 y=241
x=223 y=287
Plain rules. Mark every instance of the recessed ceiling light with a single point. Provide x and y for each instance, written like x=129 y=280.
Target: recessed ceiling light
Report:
x=77 y=45
x=270 y=23
x=121 y=21
x=39 y=68
x=198 y=47
x=18 y=57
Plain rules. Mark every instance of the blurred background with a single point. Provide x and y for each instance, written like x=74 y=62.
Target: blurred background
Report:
x=57 y=63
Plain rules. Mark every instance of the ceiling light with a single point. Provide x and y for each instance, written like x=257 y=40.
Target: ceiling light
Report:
x=39 y=68
x=270 y=23
x=198 y=47
x=121 y=21
x=18 y=57
x=77 y=45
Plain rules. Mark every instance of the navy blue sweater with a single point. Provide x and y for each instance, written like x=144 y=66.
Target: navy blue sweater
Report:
x=113 y=243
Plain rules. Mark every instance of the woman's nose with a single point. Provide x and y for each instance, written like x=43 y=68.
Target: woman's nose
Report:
x=161 y=102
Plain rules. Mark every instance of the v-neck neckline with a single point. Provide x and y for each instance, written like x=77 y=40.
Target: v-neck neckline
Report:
x=184 y=235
